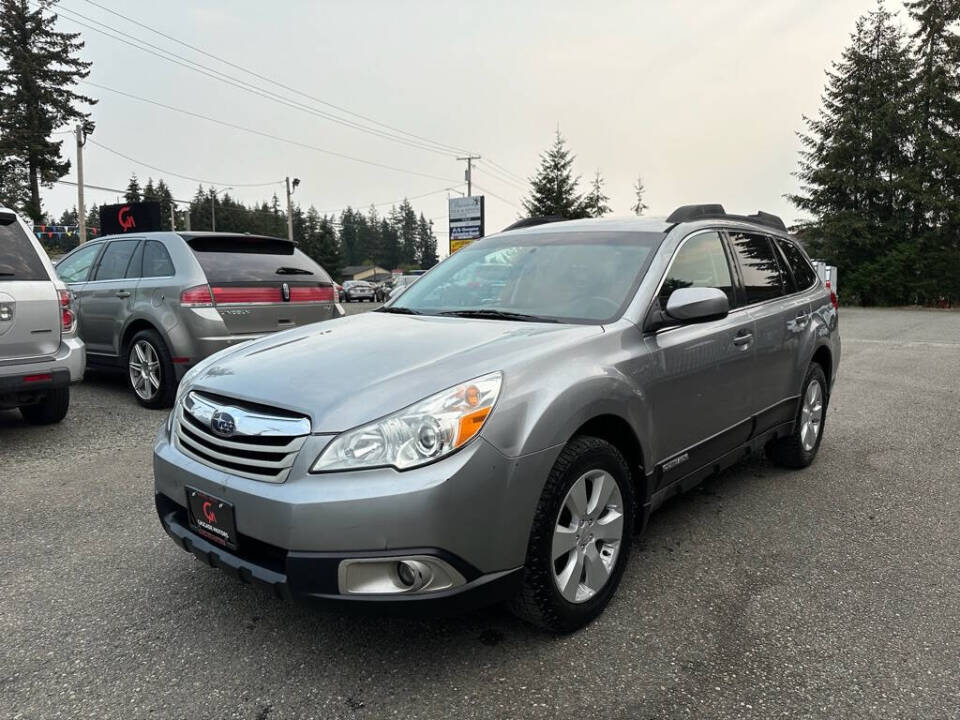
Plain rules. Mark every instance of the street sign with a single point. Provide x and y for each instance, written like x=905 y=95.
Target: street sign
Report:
x=129 y=217
x=466 y=221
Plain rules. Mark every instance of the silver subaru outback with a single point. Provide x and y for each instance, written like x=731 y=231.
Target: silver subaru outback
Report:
x=520 y=431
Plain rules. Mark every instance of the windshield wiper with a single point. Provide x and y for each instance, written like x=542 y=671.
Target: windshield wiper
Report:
x=496 y=315
x=399 y=311
x=292 y=271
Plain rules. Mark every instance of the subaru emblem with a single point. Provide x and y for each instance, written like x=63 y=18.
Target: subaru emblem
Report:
x=223 y=424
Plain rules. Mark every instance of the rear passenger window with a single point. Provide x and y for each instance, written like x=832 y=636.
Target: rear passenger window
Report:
x=18 y=259
x=762 y=278
x=700 y=262
x=803 y=273
x=115 y=259
x=156 y=260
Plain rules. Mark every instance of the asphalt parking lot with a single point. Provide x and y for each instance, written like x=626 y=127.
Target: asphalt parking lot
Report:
x=826 y=593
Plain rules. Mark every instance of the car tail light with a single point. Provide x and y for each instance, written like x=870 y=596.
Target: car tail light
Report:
x=67 y=319
x=311 y=294
x=198 y=296
x=247 y=295
x=833 y=296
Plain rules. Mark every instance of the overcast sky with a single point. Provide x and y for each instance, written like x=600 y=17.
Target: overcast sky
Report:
x=703 y=99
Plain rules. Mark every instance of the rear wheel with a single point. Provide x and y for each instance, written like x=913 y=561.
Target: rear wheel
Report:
x=580 y=540
x=52 y=409
x=150 y=370
x=798 y=449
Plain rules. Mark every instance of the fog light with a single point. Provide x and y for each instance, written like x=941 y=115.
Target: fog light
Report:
x=386 y=576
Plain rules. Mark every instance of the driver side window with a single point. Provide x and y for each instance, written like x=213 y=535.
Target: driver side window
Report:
x=700 y=262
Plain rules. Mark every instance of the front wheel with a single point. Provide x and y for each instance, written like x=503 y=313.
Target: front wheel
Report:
x=150 y=370
x=799 y=448
x=51 y=409
x=580 y=540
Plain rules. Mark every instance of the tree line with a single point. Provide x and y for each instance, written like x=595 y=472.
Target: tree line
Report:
x=399 y=238
x=880 y=164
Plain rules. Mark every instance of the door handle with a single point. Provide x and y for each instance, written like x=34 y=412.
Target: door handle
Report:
x=123 y=294
x=743 y=338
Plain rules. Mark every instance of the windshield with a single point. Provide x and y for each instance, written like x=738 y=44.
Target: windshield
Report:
x=563 y=277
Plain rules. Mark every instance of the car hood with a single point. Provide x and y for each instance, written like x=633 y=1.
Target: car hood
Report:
x=349 y=371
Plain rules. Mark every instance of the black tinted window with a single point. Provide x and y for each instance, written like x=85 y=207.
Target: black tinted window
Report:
x=76 y=267
x=762 y=279
x=803 y=273
x=115 y=259
x=133 y=267
x=18 y=259
x=156 y=260
x=231 y=262
x=700 y=262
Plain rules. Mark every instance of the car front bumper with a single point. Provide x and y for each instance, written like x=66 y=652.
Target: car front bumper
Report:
x=472 y=510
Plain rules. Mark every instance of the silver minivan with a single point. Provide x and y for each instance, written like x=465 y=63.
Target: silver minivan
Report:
x=155 y=304
x=40 y=353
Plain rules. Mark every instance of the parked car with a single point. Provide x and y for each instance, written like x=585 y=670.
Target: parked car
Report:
x=154 y=304
x=511 y=448
x=40 y=353
x=401 y=283
x=358 y=291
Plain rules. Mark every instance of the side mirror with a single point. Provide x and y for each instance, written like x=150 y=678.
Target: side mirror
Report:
x=690 y=305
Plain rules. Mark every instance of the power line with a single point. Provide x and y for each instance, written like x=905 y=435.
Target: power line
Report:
x=177 y=175
x=236 y=82
x=506 y=172
x=394 y=202
x=488 y=192
x=87 y=185
x=437 y=146
x=270 y=136
x=503 y=179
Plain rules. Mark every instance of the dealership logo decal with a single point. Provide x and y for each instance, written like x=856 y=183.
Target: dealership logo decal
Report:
x=208 y=511
x=125 y=218
x=223 y=424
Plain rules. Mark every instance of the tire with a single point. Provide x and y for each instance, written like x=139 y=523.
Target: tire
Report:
x=540 y=600
x=52 y=409
x=796 y=450
x=159 y=365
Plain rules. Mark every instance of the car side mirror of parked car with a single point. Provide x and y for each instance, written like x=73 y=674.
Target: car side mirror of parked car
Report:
x=697 y=304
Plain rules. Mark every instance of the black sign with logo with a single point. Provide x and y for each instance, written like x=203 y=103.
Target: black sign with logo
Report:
x=129 y=217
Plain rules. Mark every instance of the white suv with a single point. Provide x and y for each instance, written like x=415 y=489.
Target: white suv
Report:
x=40 y=353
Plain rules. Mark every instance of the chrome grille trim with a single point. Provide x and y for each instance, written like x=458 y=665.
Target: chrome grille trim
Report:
x=244 y=453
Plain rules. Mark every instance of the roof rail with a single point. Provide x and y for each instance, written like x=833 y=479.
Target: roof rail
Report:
x=689 y=213
x=532 y=221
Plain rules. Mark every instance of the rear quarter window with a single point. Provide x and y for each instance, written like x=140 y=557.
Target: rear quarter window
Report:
x=18 y=258
x=803 y=272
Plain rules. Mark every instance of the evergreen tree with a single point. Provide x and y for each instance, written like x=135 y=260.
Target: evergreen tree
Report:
x=13 y=180
x=639 y=206
x=165 y=197
x=854 y=165
x=426 y=243
x=133 y=193
x=935 y=171
x=595 y=202
x=553 y=190
x=328 y=248
x=39 y=69
x=349 y=236
x=406 y=224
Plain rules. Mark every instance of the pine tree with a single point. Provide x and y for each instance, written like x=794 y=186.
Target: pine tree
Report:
x=595 y=202
x=407 y=230
x=13 y=180
x=328 y=249
x=639 y=206
x=165 y=198
x=854 y=164
x=426 y=243
x=133 y=193
x=935 y=176
x=40 y=67
x=553 y=190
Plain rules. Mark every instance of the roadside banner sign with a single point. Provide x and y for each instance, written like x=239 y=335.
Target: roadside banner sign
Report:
x=466 y=221
x=130 y=217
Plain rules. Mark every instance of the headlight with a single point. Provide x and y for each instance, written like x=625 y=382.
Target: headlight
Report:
x=418 y=434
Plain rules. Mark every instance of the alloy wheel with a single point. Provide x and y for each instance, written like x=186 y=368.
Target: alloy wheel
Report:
x=587 y=536
x=144 y=368
x=811 y=416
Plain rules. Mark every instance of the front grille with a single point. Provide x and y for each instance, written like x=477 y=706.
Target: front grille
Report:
x=252 y=441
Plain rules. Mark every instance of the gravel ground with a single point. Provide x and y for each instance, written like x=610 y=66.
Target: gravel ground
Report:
x=827 y=593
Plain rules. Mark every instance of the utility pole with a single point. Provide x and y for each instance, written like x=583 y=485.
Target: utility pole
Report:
x=213 y=210
x=173 y=216
x=290 y=191
x=468 y=175
x=186 y=219
x=81 y=209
